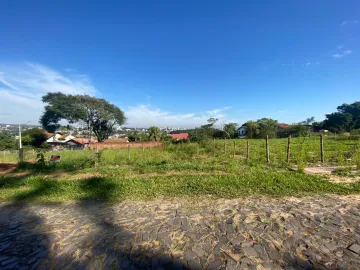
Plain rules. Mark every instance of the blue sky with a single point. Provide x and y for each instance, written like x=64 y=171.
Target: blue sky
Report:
x=178 y=63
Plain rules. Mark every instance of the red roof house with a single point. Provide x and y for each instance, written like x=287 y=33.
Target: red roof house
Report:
x=180 y=136
x=84 y=140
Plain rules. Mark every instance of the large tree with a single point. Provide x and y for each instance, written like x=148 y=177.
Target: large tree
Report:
x=154 y=133
x=354 y=110
x=339 y=122
x=99 y=115
x=252 y=129
x=230 y=129
x=7 y=141
x=261 y=128
x=267 y=126
x=34 y=137
x=346 y=118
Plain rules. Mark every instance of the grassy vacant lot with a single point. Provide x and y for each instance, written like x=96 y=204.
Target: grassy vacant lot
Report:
x=189 y=170
x=340 y=150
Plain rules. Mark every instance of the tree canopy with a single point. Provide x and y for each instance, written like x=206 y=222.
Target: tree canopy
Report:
x=34 y=137
x=346 y=118
x=154 y=133
x=231 y=130
x=99 y=115
x=261 y=128
x=7 y=141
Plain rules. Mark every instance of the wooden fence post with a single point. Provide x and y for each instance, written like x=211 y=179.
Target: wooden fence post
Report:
x=267 y=150
x=214 y=147
x=247 y=150
x=96 y=155
x=322 y=148
x=21 y=154
x=234 y=148
x=129 y=151
x=288 y=150
x=142 y=147
x=225 y=146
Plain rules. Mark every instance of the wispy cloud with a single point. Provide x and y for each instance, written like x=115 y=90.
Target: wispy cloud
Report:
x=312 y=63
x=22 y=86
x=217 y=111
x=340 y=55
x=349 y=22
x=282 y=111
x=144 y=116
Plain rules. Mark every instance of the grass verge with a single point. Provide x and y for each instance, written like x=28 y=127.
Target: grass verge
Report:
x=247 y=181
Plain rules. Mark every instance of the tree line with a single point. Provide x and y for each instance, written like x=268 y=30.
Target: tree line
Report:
x=346 y=119
x=101 y=117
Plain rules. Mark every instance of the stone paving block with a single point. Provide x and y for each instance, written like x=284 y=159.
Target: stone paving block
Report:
x=214 y=265
x=199 y=251
x=355 y=248
x=225 y=233
x=237 y=240
x=194 y=264
x=250 y=252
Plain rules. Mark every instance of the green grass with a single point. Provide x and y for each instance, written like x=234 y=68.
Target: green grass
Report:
x=304 y=151
x=114 y=186
x=189 y=170
x=12 y=156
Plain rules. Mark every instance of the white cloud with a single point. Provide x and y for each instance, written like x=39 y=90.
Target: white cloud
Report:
x=282 y=111
x=144 y=116
x=308 y=63
x=217 y=111
x=22 y=86
x=340 y=55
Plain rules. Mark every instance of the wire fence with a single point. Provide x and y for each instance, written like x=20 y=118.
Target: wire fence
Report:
x=300 y=151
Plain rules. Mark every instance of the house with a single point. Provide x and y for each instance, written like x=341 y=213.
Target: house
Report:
x=48 y=134
x=179 y=136
x=242 y=131
x=282 y=126
x=84 y=141
x=61 y=141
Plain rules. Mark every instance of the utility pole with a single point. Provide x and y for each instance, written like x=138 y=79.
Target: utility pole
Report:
x=20 y=145
x=21 y=153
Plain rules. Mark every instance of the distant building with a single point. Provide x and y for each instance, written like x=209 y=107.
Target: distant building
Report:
x=60 y=141
x=180 y=136
x=242 y=131
x=282 y=126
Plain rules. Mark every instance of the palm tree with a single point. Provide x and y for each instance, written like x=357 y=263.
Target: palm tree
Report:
x=154 y=133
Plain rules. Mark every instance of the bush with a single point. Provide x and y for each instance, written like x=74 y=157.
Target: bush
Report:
x=7 y=142
x=180 y=141
x=45 y=145
x=34 y=137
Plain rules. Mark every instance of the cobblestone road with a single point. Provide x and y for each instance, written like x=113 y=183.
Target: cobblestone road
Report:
x=262 y=233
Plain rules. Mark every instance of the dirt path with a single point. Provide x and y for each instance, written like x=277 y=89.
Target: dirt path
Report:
x=255 y=233
x=329 y=172
x=7 y=167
